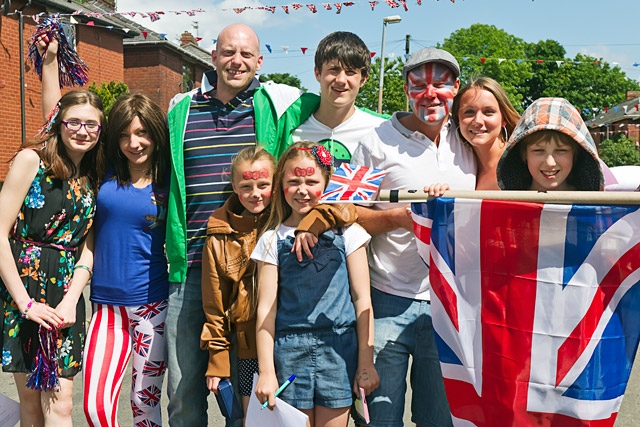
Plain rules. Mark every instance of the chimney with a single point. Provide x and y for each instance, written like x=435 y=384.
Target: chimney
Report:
x=632 y=94
x=188 y=38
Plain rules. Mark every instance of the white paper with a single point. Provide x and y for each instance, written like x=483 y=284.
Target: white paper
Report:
x=9 y=411
x=283 y=414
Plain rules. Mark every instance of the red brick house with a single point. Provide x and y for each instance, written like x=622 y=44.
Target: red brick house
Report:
x=159 y=68
x=113 y=47
x=623 y=118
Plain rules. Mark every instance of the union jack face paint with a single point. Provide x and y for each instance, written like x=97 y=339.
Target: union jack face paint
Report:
x=431 y=89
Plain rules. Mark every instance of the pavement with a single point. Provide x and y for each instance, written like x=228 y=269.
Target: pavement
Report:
x=629 y=415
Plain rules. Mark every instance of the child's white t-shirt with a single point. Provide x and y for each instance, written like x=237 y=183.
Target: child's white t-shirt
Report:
x=267 y=247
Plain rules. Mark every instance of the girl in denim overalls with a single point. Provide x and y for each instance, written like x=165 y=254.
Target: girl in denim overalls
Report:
x=314 y=317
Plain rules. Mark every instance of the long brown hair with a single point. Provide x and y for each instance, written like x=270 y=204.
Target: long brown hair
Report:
x=280 y=210
x=53 y=152
x=154 y=120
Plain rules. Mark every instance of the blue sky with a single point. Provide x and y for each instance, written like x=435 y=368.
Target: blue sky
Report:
x=604 y=29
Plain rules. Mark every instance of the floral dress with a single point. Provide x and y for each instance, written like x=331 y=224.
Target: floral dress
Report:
x=53 y=222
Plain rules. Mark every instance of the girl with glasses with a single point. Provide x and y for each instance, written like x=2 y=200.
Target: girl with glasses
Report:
x=48 y=204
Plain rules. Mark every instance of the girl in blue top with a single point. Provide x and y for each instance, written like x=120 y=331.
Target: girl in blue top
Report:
x=314 y=317
x=130 y=283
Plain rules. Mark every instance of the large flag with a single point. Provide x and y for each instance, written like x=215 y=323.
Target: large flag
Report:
x=535 y=307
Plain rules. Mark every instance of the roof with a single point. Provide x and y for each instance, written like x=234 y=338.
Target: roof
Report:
x=130 y=30
x=119 y=23
x=623 y=111
x=194 y=52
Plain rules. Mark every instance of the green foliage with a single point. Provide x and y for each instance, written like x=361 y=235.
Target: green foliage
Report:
x=619 y=151
x=109 y=92
x=284 y=78
x=471 y=44
x=393 y=97
x=584 y=81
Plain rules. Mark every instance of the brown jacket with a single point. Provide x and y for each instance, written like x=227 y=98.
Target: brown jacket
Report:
x=229 y=288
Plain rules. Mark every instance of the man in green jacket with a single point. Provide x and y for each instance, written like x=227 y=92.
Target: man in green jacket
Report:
x=208 y=126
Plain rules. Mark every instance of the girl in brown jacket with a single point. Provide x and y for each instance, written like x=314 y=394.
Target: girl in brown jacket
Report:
x=229 y=286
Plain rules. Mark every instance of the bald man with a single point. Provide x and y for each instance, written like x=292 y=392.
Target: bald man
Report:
x=208 y=126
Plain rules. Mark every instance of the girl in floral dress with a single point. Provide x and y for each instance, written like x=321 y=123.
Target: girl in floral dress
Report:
x=48 y=204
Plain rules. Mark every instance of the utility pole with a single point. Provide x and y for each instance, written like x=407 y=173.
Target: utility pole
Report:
x=407 y=45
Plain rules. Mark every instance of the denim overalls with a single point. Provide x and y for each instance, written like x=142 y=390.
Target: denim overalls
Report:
x=315 y=325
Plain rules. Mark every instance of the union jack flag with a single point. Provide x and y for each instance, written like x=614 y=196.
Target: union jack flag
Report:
x=148 y=311
x=353 y=182
x=535 y=308
x=141 y=343
x=154 y=369
x=150 y=396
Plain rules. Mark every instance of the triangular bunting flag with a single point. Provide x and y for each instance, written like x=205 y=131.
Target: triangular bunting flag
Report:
x=558 y=63
x=501 y=60
x=91 y=24
x=268 y=46
x=285 y=49
x=372 y=54
x=304 y=50
x=145 y=34
x=482 y=60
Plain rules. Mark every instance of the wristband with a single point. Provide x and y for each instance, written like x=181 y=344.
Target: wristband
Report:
x=26 y=310
x=84 y=267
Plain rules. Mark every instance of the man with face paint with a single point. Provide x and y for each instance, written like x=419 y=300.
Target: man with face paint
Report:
x=416 y=148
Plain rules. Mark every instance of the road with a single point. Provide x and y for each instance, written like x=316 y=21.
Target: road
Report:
x=629 y=415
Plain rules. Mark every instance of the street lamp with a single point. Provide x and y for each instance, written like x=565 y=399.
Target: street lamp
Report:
x=386 y=20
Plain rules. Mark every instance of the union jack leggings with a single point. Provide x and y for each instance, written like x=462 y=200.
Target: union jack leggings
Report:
x=113 y=333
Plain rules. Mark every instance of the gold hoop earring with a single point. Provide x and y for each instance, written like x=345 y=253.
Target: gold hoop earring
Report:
x=506 y=134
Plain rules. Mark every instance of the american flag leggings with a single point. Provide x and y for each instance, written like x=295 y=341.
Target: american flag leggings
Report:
x=115 y=334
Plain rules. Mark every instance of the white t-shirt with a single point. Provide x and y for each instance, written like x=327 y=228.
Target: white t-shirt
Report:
x=412 y=161
x=267 y=247
x=341 y=140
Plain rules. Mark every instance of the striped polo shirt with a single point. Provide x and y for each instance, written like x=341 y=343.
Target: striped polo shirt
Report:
x=215 y=133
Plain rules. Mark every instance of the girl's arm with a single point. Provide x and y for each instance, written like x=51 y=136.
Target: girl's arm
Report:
x=215 y=303
x=51 y=93
x=266 y=327
x=358 y=267
x=15 y=188
x=66 y=309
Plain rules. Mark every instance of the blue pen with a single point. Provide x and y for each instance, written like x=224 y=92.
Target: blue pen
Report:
x=280 y=389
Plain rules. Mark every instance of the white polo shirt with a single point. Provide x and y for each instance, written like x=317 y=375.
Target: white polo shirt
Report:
x=412 y=161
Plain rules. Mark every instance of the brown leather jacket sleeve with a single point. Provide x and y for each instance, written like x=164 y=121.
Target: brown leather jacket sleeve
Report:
x=324 y=217
x=215 y=302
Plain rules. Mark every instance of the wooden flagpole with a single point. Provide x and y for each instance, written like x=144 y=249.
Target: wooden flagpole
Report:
x=559 y=197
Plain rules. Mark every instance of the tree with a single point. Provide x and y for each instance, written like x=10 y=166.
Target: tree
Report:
x=483 y=50
x=393 y=93
x=619 y=151
x=528 y=71
x=109 y=92
x=284 y=78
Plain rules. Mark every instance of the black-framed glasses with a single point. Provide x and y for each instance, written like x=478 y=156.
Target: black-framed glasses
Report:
x=75 y=125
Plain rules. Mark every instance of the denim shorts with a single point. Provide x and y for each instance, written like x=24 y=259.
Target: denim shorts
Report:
x=324 y=363
x=403 y=328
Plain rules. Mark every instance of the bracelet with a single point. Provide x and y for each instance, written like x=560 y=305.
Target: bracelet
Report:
x=26 y=310
x=84 y=267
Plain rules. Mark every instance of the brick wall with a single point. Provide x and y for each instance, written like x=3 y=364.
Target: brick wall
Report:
x=100 y=48
x=10 y=119
x=153 y=70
